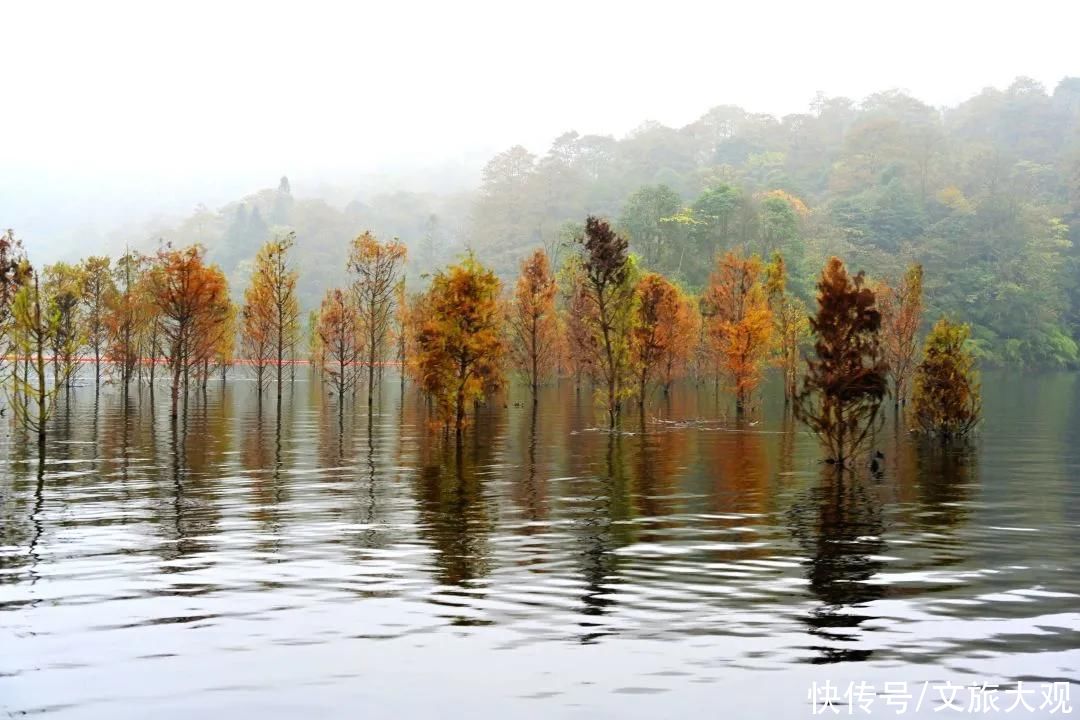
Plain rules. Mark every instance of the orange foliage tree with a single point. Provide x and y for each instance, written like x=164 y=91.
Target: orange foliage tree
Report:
x=532 y=320
x=193 y=300
x=684 y=333
x=740 y=328
x=845 y=383
x=459 y=343
x=340 y=341
x=377 y=267
x=576 y=336
x=663 y=330
x=901 y=316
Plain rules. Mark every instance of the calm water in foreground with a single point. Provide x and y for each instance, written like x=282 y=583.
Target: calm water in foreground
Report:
x=244 y=565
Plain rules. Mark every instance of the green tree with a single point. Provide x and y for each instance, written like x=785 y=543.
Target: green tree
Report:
x=98 y=289
x=645 y=219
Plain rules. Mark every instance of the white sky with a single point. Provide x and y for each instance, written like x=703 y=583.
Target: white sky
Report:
x=151 y=94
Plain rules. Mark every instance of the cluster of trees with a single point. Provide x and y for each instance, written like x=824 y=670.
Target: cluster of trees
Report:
x=985 y=196
x=170 y=308
x=600 y=317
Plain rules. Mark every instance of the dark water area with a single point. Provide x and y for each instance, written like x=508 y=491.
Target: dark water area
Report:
x=317 y=564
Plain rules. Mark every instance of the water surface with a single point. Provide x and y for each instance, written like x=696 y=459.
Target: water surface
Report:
x=318 y=564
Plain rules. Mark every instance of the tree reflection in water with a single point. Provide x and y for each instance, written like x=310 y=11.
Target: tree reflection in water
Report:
x=454 y=516
x=838 y=524
x=599 y=535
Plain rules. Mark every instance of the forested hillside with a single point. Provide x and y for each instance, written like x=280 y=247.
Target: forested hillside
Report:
x=985 y=195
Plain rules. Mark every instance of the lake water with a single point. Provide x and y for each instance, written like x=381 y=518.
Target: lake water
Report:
x=317 y=564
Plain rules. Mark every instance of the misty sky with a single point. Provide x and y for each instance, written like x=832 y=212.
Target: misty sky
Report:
x=214 y=97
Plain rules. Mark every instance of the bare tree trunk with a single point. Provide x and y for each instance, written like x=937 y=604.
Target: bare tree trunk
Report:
x=41 y=397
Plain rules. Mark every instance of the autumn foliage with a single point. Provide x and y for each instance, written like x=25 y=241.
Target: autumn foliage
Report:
x=740 y=325
x=600 y=319
x=270 y=315
x=377 y=269
x=533 y=322
x=340 y=342
x=606 y=296
x=132 y=319
x=946 y=397
x=459 y=341
x=845 y=380
x=663 y=332
x=193 y=302
x=901 y=315
x=790 y=324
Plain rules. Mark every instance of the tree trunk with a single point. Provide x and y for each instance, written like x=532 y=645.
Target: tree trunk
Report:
x=280 y=350
x=178 y=370
x=41 y=397
x=459 y=416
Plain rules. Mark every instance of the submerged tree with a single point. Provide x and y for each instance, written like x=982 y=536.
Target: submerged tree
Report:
x=270 y=315
x=36 y=327
x=656 y=330
x=193 y=302
x=459 y=344
x=740 y=325
x=377 y=267
x=257 y=346
x=845 y=382
x=790 y=323
x=533 y=324
x=901 y=315
x=14 y=274
x=273 y=267
x=225 y=347
x=97 y=291
x=607 y=292
x=339 y=342
x=63 y=289
x=946 y=398
x=402 y=318
x=129 y=312
x=576 y=323
x=683 y=336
